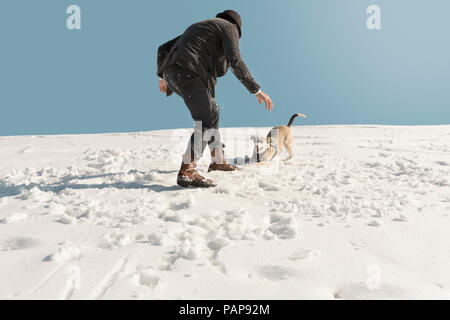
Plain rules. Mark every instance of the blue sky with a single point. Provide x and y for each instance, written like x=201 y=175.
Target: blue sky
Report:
x=314 y=57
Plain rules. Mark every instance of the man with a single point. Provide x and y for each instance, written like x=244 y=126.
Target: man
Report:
x=189 y=65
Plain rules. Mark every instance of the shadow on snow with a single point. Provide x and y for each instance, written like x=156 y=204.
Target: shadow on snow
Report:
x=7 y=190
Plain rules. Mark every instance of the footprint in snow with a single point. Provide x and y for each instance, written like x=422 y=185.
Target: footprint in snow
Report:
x=275 y=273
x=268 y=187
x=303 y=254
x=15 y=217
x=357 y=245
x=26 y=150
x=182 y=205
x=361 y=291
x=441 y=286
x=281 y=227
x=17 y=243
x=146 y=278
x=401 y=218
x=67 y=253
x=374 y=223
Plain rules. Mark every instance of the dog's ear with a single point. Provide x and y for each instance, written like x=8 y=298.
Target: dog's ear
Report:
x=253 y=138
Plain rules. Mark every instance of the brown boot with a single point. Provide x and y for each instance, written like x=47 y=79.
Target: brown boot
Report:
x=189 y=177
x=218 y=162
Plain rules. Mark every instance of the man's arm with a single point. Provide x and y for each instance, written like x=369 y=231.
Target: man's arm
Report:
x=163 y=50
x=230 y=43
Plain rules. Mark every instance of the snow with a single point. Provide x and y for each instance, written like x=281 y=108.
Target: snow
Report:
x=360 y=212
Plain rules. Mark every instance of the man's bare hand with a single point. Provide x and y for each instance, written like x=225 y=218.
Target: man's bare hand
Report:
x=162 y=86
x=264 y=97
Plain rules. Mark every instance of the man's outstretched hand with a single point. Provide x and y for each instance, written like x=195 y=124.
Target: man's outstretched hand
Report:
x=162 y=86
x=264 y=97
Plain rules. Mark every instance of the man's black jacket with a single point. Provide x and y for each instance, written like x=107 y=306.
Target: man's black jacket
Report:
x=207 y=48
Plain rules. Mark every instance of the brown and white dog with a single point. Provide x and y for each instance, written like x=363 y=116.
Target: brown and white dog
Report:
x=269 y=147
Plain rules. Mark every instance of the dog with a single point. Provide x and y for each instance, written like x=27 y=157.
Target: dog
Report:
x=267 y=148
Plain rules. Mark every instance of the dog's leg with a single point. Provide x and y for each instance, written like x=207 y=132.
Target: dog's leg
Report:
x=288 y=147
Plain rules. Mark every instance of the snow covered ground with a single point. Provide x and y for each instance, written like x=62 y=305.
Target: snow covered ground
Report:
x=360 y=212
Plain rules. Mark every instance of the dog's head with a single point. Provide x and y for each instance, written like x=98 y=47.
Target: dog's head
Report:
x=259 y=146
x=259 y=142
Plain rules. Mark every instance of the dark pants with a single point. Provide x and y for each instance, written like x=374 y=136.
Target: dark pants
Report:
x=202 y=107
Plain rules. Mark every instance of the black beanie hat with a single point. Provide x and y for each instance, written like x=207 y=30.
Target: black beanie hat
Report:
x=233 y=16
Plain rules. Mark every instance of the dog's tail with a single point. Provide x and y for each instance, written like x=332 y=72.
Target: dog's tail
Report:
x=295 y=116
